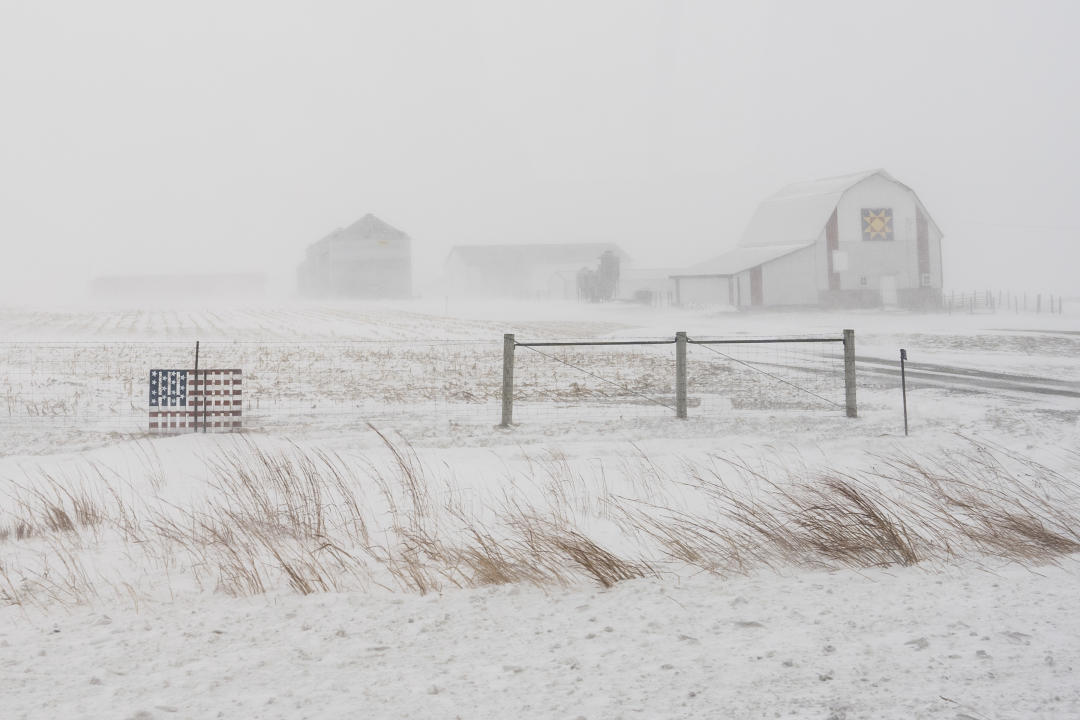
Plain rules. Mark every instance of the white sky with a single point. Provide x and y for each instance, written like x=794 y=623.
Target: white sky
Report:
x=154 y=137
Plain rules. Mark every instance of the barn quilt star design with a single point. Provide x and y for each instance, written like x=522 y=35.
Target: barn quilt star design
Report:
x=877 y=224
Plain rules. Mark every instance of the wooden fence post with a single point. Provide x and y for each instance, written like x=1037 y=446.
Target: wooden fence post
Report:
x=849 y=374
x=508 y=380
x=680 y=375
x=194 y=390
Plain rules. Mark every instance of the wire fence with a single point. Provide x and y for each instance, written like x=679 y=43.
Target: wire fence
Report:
x=594 y=382
x=72 y=389
x=105 y=385
x=587 y=379
x=1002 y=301
x=795 y=373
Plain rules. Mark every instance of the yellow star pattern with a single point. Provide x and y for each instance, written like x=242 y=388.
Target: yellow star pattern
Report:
x=877 y=224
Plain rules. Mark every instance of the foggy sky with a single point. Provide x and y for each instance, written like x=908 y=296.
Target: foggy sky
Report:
x=150 y=137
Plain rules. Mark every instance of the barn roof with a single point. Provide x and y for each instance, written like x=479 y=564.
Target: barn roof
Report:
x=368 y=227
x=540 y=253
x=798 y=212
x=739 y=259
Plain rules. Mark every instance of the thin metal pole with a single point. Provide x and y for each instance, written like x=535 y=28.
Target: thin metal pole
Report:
x=849 y=374
x=195 y=391
x=903 y=386
x=680 y=375
x=508 y=380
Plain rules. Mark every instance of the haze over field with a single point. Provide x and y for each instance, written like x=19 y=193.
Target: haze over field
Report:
x=136 y=138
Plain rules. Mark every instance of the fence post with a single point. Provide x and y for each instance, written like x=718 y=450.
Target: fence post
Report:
x=508 y=380
x=680 y=375
x=849 y=373
x=195 y=391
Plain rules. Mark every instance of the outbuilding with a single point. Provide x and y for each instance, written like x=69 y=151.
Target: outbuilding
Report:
x=529 y=271
x=368 y=259
x=861 y=240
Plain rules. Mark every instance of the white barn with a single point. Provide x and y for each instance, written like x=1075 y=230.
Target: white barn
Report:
x=861 y=240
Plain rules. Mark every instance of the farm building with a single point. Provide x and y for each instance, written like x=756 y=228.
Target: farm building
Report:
x=368 y=259
x=540 y=271
x=862 y=240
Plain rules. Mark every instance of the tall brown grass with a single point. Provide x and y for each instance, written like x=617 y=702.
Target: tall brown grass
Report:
x=313 y=522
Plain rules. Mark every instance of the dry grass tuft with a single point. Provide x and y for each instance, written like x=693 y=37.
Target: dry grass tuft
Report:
x=312 y=522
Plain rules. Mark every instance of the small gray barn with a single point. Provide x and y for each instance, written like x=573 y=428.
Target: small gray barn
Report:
x=368 y=259
x=861 y=240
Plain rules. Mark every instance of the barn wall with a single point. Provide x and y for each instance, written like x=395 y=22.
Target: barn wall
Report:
x=388 y=278
x=704 y=291
x=822 y=264
x=468 y=280
x=742 y=289
x=554 y=281
x=515 y=278
x=869 y=260
x=349 y=266
x=364 y=267
x=792 y=279
x=936 y=273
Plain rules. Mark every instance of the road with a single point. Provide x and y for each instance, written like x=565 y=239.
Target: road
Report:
x=966 y=378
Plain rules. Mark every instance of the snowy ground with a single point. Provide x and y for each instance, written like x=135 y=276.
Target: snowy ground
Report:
x=112 y=619
x=967 y=643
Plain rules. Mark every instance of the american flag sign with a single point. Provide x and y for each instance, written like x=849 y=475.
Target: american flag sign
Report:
x=194 y=400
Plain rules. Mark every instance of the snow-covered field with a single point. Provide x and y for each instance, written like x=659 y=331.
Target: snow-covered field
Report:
x=374 y=546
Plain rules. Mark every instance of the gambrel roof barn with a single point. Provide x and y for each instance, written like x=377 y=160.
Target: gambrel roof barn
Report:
x=860 y=240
